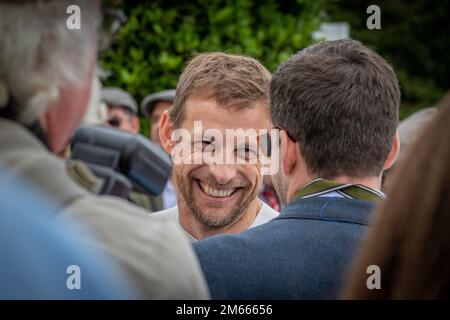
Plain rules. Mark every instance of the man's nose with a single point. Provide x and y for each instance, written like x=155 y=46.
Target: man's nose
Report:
x=223 y=173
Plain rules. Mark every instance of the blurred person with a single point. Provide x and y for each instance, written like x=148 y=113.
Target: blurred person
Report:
x=41 y=254
x=336 y=105
x=221 y=92
x=268 y=193
x=122 y=109
x=96 y=112
x=46 y=72
x=409 y=130
x=153 y=106
x=409 y=241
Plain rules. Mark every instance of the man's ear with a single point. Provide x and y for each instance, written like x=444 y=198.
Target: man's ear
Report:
x=165 y=132
x=393 y=154
x=288 y=153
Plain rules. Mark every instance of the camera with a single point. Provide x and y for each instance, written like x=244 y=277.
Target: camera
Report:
x=123 y=161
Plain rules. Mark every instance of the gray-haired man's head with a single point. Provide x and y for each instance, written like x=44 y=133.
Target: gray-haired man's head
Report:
x=46 y=68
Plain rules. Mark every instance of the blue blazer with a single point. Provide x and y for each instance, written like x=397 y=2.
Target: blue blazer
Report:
x=302 y=254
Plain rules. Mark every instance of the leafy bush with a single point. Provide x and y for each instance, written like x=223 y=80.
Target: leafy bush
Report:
x=152 y=47
x=414 y=38
x=159 y=36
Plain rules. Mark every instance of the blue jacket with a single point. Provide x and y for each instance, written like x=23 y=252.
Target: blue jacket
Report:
x=302 y=254
x=36 y=252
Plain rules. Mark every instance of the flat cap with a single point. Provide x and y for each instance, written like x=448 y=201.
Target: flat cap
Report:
x=119 y=97
x=150 y=101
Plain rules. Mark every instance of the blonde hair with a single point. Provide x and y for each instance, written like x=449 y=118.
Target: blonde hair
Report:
x=233 y=80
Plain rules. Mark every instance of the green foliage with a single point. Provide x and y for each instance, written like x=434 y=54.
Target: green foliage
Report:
x=160 y=36
x=414 y=38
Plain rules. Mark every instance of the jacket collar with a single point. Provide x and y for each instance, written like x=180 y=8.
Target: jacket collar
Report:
x=322 y=186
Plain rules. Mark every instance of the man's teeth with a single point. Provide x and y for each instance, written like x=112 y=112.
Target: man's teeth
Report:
x=216 y=192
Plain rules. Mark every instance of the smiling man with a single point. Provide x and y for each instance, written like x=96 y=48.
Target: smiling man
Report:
x=223 y=93
x=336 y=104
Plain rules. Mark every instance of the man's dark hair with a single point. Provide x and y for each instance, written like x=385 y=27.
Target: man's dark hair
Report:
x=340 y=101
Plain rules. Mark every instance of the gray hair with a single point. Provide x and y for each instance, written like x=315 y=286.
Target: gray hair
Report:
x=39 y=54
x=411 y=128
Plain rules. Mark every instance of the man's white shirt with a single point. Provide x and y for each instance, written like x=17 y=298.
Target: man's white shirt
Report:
x=264 y=215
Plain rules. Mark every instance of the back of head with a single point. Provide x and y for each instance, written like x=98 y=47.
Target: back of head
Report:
x=340 y=101
x=119 y=98
x=410 y=241
x=39 y=54
x=233 y=80
x=409 y=131
x=411 y=127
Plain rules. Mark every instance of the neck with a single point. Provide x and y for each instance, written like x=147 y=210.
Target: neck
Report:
x=370 y=182
x=200 y=231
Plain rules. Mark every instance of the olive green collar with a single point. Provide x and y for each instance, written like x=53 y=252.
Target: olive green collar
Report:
x=321 y=186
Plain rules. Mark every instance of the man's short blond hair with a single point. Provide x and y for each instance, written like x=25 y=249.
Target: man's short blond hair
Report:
x=234 y=81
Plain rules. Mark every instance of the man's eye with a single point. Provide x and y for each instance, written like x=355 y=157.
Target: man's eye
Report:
x=246 y=153
x=201 y=145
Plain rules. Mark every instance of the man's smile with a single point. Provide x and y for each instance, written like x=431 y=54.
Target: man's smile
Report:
x=215 y=193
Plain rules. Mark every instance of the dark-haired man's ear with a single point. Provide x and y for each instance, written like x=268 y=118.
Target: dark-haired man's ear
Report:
x=288 y=153
x=165 y=132
x=393 y=154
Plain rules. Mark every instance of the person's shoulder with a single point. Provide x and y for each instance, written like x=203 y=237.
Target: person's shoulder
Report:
x=216 y=246
x=329 y=210
x=109 y=215
x=261 y=228
x=167 y=212
x=170 y=213
x=113 y=208
x=246 y=240
x=133 y=236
